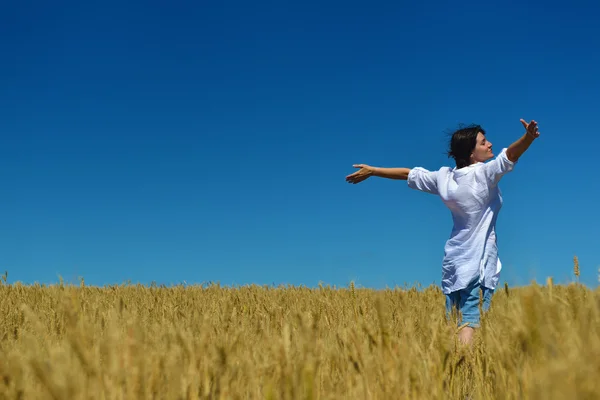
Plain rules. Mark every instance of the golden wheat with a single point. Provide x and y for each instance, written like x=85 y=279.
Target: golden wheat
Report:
x=253 y=342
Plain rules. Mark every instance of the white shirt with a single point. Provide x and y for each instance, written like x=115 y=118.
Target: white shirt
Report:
x=474 y=199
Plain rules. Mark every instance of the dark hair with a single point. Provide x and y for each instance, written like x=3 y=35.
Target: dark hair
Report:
x=462 y=143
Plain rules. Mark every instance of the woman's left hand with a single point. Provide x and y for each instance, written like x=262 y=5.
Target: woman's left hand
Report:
x=363 y=173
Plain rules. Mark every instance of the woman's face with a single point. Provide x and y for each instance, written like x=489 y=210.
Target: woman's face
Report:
x=483 y=149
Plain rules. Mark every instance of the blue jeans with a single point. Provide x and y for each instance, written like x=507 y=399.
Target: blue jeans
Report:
x=466 y=301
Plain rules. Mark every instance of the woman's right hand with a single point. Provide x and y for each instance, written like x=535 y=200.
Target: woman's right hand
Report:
x=531 y=128
x=363 y=173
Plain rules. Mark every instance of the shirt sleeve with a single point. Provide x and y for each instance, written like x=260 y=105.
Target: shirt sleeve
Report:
x=495 y=169
x=423 y=180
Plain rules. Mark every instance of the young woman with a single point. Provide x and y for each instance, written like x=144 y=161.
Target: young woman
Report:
x=470 y=191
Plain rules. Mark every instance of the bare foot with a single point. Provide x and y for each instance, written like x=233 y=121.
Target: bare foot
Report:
x=465 y=335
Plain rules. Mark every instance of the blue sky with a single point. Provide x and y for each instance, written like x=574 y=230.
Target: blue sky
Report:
x=209 y=141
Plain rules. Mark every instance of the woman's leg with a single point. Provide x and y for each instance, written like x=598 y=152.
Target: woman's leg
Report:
x=466 y=302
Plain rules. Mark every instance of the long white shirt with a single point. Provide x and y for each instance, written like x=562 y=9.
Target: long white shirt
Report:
x=474 y=199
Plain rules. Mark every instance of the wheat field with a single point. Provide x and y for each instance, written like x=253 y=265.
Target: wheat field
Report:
x=254 y=342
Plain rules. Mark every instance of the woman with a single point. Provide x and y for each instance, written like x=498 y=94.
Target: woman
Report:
x=470 y=191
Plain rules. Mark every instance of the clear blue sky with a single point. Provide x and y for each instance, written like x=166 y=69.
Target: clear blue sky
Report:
x=209 y=141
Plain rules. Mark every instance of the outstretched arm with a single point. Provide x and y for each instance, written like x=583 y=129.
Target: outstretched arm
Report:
x=519 y=147
x=367 y=171
x=504 y=163
x=418 y=178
